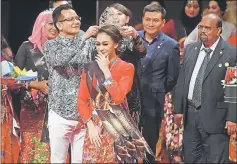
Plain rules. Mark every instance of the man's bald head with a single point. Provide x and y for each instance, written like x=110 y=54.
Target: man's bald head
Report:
x=210 y=29
x=214 y=17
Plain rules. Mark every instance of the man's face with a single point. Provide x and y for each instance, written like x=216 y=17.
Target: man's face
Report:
x=152 y=22
x=208 y=30
x=69 y=22
x=59 y=3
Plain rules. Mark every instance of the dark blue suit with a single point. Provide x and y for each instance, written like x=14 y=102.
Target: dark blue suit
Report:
x=158 y=73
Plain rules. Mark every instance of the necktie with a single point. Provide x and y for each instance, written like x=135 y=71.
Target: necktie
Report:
x=197 y=91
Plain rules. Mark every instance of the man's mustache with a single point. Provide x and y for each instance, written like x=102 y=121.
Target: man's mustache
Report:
x=203 y=34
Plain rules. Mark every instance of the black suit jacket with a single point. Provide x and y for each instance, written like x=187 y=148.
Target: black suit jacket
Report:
x=158 y=75
x=214 y=111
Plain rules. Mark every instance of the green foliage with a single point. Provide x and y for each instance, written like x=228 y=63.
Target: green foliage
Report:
x=40 y=155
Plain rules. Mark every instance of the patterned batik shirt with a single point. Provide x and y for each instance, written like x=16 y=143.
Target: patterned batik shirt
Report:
x=65 y=58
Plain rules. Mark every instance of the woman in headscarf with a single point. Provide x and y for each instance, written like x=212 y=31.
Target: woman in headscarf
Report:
x=217 y=7
x=191 y=15
x=9 y=122
x=34 y=95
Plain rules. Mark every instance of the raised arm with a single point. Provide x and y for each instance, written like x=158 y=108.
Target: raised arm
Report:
x=57 y=57
x=88 y=52
x=119 y=89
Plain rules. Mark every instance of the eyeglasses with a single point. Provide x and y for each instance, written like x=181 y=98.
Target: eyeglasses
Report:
x=71 y=19
x=204 y=28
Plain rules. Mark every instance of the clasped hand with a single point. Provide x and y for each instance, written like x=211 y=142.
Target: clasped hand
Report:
x=92 y=31
x=103 y=62
x=127 y=31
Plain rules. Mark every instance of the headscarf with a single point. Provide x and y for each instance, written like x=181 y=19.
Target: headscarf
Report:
x=38 y=36
x=190 y=23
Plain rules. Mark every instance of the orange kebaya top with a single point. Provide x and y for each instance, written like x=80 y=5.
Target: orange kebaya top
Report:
x=122 y=80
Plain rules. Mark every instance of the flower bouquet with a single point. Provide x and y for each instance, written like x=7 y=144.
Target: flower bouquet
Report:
x=230 y=85
x=14 y=76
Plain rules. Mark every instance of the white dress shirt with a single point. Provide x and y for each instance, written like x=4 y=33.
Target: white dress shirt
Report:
x=198 y=64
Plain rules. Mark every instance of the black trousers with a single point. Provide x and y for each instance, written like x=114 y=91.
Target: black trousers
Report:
x=151 y=128
x=200 y=146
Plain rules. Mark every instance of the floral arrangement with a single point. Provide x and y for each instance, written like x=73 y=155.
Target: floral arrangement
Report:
x=230 y=85
x=231 y=75
x=14 y=75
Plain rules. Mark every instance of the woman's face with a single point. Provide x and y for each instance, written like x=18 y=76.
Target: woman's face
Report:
x=105 y=45
x=214 y=8
x=192 y=8
x=123 y=19
x=50 y=30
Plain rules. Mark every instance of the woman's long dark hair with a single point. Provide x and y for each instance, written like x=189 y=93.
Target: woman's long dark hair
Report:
x=112 y=31
x=190 y=23
x=4 y=53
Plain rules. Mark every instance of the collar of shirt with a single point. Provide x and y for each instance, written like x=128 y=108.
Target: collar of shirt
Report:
x=144 y=38
x=64 y=40
x=213 y=47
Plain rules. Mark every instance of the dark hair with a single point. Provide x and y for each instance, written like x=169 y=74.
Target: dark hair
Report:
x=155 y=8
x=222 y=4
x=57 y=13
x=122 y=9
x=161 y=2
x=112 y=31
x=4 y=53
x=4 y=43
x=190 y=23
x=51 y=2
x=219 y=23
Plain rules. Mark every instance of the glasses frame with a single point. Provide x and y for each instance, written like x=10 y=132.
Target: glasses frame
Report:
x=66 y=19
x=205 y=28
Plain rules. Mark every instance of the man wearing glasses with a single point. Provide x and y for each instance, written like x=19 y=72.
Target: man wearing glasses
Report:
x=65 y=57
x=199 y=95
x=217 y=7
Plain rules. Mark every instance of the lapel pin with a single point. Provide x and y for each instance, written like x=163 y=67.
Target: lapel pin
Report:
x=220 y=65
x=158 y=47
x=221 y=52
x=227 y=64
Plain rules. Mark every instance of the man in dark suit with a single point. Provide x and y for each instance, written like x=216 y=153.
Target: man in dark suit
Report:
x=199 y=95
x=158 y=72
